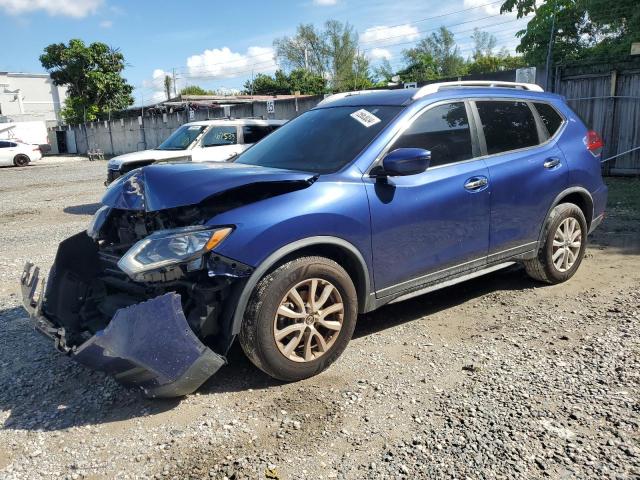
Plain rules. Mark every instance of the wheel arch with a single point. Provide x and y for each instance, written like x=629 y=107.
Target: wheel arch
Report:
x=337 y=249
x=577 y=195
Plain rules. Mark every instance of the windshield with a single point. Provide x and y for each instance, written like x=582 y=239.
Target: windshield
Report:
x=182 y=137
x=320 y=141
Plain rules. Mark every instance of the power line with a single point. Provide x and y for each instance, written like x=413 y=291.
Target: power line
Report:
x=432 y=18
x=191 y=70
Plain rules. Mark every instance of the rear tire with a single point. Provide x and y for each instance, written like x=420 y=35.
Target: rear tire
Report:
x=565 y=240
x=291 y=334
x=21 y=160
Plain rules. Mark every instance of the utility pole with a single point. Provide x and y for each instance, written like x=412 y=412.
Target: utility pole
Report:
x=547 y=66
x=110 y=134
x=144 y=134
x=357 y=64
x=173 y=70
x=306 y=59
x=252 y=80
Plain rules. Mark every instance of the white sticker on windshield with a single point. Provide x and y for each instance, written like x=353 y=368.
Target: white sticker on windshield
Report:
x=365 y=117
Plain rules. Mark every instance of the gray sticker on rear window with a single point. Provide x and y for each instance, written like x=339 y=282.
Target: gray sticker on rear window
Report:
x=365 y=117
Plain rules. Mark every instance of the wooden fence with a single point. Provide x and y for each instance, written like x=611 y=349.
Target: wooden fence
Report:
x=607 y=97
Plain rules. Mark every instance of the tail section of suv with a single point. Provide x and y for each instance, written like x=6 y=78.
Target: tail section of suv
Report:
x=368 y=199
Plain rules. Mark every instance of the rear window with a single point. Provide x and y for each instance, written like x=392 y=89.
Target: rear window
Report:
x=507 y=125
x=551 y=119
x=255 y=133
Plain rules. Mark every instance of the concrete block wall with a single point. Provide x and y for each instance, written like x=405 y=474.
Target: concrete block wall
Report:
x=126 y=135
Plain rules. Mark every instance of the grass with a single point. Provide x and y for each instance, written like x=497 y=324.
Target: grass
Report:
x=624 y=199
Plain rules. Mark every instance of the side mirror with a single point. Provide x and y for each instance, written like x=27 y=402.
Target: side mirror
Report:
x=402 y=162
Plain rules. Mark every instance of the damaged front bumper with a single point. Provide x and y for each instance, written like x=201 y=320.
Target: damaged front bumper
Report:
x=149 y=344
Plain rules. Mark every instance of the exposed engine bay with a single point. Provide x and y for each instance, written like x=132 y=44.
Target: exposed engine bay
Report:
x=87 y=287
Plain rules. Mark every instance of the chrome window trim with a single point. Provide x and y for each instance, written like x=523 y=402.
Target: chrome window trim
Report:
x=471 y=108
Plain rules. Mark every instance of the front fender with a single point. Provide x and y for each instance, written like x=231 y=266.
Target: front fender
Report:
x=275 y=257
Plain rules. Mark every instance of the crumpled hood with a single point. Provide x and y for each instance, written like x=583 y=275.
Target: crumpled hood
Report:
x=116 y=162
x=162 y=186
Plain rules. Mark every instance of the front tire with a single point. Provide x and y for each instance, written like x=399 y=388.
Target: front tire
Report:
x=21 y=160
x=300 y=318
x=565 y=240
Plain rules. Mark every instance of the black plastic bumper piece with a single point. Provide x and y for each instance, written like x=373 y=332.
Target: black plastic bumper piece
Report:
x=149 y=345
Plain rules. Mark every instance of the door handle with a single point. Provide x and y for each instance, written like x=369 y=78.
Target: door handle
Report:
x=475 y=183
x=551 y=162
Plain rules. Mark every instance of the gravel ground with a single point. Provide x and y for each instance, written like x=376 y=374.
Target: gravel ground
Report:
x=500 y=377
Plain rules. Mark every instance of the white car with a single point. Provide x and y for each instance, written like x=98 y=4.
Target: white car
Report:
x=17 y=153
x=202 y=141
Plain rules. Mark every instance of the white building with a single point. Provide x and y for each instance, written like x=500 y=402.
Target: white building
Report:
x=29 y=97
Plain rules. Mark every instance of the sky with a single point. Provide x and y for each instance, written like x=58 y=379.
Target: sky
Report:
x=220 y=44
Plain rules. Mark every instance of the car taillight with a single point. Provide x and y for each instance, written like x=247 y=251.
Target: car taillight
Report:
x=593 y=142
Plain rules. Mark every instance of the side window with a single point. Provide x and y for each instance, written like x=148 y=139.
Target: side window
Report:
x=222 y=135
x=444 y=130
x=551 y=119
x=507 y=125
x=4 y=144
x=255 y=133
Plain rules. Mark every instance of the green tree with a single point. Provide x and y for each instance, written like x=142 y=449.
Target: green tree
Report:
x=421 y=66
x=436 y=54
x=305 y=50
x=267 y=85
x=306 y=83
x=93 y=76
x=483 y=43
x=383 y=73
x=195 y=90
x=585 y=30
x=484 y=60
x=330 y=53
x=299 y=80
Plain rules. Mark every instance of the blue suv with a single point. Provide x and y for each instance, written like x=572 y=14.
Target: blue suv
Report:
x=368 y=199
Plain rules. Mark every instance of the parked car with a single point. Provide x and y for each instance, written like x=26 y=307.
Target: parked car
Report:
x=365 y=200
x=17 y=153
x=202 y=141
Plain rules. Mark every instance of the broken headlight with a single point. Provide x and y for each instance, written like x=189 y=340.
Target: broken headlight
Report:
x=97 y=221
x=170 y=247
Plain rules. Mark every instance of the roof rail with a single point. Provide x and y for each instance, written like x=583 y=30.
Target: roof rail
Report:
x=435 y=87
x=338 y=96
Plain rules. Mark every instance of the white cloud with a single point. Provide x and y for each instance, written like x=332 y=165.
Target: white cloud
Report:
x=213 y=64
x=106 y=24
x=325 y=3
x=223 y=63
x=379 y=54
x=69 y=8
x=396 y=33
x=493 y=9
x=156 y=85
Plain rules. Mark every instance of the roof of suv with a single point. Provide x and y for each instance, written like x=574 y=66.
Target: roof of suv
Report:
x=403 y=97
x=238 y=121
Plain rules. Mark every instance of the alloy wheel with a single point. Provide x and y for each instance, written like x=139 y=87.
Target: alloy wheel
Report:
x=308 y=320
x=567 y=242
